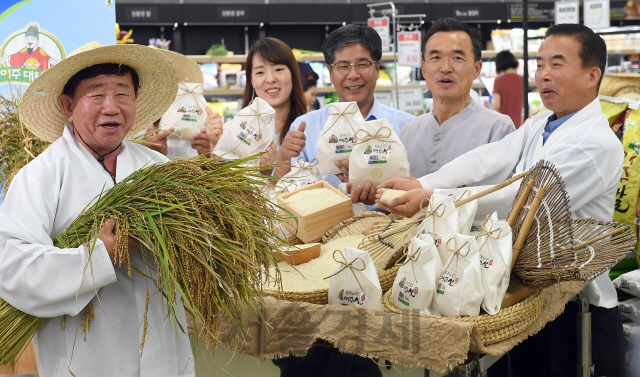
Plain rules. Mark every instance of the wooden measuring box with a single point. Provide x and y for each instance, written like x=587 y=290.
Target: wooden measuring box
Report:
x=311 y=227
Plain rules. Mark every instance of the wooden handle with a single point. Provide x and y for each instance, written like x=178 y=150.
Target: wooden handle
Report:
x=488 y=191
x=399 y=229
x=520 y=203
x=524 y=229
x=608 y=234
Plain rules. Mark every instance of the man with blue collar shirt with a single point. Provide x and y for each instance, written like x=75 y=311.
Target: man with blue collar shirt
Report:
x=352 y=53
x=577 y=139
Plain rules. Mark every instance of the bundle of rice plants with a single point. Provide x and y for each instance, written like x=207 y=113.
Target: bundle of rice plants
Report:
x=210 y=230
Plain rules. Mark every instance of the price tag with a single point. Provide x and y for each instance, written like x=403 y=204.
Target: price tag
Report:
x=596 y=14
x=409 y=49
x=384 y=98
x=567 y=12
x=411 y=99
x=381 y=25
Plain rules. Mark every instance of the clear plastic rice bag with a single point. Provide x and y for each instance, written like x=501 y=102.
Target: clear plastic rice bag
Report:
x=338 y=135
x=378 y=155
x=355 y=280
x=415 y=283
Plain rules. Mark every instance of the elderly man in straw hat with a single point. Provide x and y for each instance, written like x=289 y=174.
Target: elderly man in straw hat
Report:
x=86 y=105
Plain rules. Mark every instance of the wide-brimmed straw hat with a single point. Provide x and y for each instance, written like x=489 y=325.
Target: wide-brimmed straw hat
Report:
x=187 y=69
x=41 y=113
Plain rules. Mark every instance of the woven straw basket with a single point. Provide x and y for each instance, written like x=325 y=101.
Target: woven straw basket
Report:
x=508 y=322
x=352 y=226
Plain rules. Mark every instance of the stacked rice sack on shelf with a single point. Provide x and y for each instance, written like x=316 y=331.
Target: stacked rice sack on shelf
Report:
x=630 y=310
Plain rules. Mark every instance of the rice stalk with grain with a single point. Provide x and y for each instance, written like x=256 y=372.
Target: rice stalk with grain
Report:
x=211 y=233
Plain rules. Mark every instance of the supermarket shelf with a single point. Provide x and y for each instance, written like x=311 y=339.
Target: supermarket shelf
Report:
x=325 y=89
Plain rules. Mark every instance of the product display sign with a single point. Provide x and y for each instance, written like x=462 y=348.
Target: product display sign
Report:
x=410 y=99
x=567 y=12
x=381 y=25
x=36 y=35
x=596 y=14
x=409 y=49
x=384 y=98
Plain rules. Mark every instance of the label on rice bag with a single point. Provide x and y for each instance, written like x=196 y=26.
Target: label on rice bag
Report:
x=343 y=143
x=351 y=297
x=377 y=153
x=249 y=133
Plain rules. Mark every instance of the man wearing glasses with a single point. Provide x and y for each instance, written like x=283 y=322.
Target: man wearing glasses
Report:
x=352 y=54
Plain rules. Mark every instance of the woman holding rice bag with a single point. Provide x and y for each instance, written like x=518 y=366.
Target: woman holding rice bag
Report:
x=273 y=76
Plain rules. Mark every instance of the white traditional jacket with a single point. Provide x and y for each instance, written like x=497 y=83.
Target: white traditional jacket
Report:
x=583 y=149
x=40 y=279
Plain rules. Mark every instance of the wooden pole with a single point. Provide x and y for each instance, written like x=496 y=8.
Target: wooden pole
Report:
x=524 y=230
x=520 y=203
x=491 y=189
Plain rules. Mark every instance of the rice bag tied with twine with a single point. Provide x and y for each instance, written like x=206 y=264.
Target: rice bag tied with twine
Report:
x=459 y=290
x=441 y=222
x=338 y=136
x=378 y=155
x=494 y=242
x=355 y=281
x=251 y=131
x=465 y=213
x=186 y=115
x=415 y=283
x=302 y=174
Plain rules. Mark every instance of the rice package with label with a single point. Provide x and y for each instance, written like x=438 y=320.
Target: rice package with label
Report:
x=415 y=285
x=630 y=309
x=338 y=136
x=496 y=254
x=355 y=281
x=186 y=115
x=629 y=282
x=251 y=131
x=378 y=155
x=302 y=174
x=459 y=290
x=441 y=222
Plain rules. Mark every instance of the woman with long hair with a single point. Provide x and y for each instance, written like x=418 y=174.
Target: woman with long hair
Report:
x=272 y=75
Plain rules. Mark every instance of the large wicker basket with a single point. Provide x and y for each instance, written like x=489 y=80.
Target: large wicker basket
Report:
x=508 y=322
x=354 y=225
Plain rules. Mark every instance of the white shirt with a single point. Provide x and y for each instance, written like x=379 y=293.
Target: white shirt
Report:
x=583 y=149
x=37 y=278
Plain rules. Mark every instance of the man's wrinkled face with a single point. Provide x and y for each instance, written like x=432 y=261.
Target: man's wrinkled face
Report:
x=103 y=110
x=31 y=42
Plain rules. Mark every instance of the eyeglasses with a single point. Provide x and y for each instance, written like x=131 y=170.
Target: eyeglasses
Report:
x=362 y=67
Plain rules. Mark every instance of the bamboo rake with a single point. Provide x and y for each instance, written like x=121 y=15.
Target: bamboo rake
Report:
x=520 y=203
x=524 y=230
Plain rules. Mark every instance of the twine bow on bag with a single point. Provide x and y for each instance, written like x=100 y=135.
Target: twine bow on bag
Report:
x=456 y=252
x=434 y=213
x=302 y=165
x=197 y=90
x=484 y=231
x=377 y=136
x=257 y=113
x=351 y=109
x=349 y=265
x=411 y=257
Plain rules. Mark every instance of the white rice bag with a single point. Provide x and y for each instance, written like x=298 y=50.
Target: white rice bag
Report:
x=629 y=282
x=441 y=222
x=415 y=283
x=631 y=332
x=186 y=115
x=355 y=280
x=302 y=174
x=467 y=212
x=459 y=290
x=338 y=135
x=630 y=309
x=496 y=254
x=251 y=131
x=378 y=155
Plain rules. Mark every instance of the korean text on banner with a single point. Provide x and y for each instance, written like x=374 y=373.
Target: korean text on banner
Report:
x=409 y=49
x=381 y=25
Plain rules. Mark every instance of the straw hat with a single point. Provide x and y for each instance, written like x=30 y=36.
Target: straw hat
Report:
x=187 y=69
x=41 y=113
x=617 y=84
